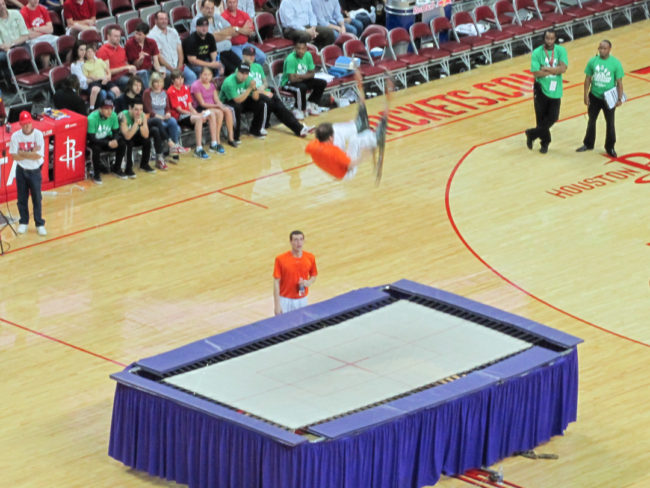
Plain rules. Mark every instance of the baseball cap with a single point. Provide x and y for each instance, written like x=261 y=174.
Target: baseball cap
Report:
x=244 y=68
x=25 y=118
x=248 y=51
x=108 y=102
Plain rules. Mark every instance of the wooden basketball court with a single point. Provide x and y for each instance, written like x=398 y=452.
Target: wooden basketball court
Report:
x=134 y=268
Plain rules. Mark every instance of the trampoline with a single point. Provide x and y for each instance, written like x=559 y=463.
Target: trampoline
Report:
x=388 y=386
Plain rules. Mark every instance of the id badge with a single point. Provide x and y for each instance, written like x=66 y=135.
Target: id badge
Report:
x=552 y=85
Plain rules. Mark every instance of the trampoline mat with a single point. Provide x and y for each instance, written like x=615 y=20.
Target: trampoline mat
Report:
x=367 y=359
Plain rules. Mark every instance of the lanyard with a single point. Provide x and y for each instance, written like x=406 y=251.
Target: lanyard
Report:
x=552 y=57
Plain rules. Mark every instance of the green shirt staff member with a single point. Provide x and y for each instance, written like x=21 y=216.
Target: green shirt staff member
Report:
x=239 y=90
x=603 y=73
x=548 y=63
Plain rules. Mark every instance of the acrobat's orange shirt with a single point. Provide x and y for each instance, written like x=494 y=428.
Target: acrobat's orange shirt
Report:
x=289 y=269
x=329 y=158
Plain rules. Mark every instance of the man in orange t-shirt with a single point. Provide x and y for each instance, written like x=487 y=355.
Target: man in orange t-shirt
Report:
x=339 y=148
x=295 y=271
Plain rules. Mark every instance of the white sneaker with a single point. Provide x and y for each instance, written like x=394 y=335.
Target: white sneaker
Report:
x=306 y=129
x=312 y=109
x=22 y=228
x=41 y=230
x=298 y=114
x=264 y=132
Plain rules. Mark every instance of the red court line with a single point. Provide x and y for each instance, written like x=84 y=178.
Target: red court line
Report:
x=81 y=349
x=487 y=265
x=243 y=199
x=162 y=207
x=637 y=77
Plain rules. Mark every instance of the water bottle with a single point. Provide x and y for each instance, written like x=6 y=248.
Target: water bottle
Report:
x=301 y=289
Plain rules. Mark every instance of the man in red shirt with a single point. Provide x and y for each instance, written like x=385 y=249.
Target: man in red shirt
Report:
x=39 y=26
x=339 y=148
x=79 y=14
x=115 y=56
x=244 y=28
x=294 y=272
x=142 y=52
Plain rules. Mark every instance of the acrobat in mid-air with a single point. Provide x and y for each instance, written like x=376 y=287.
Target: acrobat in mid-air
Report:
x=339 y=148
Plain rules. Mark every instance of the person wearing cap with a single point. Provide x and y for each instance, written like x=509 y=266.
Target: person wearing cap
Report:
x=26 y=147
x=239 y=91
x=244 y=29
x=298 y=76
x=201 y=49
x=103 y=136
x=273 y=103
x=222 y=32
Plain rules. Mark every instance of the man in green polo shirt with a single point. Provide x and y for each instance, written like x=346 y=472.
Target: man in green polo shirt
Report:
x=548 y=63
x=274 y=104
x=239 y=91
x=603 y=73
x=104 y=136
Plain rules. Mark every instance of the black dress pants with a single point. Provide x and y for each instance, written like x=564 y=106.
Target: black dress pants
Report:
x=595 y=106
x=547 y=111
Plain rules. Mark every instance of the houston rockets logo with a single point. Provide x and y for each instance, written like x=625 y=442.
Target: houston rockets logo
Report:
x=71 y=154
x=633 y=160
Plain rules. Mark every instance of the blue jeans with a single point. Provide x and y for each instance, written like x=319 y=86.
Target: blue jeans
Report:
x=29 y=181
x=172 y=128
x=354 y=27
x=260 y=57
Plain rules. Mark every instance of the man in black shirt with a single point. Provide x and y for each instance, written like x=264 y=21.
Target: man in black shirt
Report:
x=200 y=49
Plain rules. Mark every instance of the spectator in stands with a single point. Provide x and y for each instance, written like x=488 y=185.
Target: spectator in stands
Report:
x=132 y=90
x=98 y=74
x=170 y=49
x=52 y=4
x=298 y=76
x=222 y=32
x=206 y=97
x=39 y=25
x=328 y=14
x=142 y=52
x=135 y=131
x=157 y=107
x=13 y=32
x=180 y=100
x=79 y=15
x=103 y=136
x=67 y=96
x=76 y=69
x=201 y=49
x=361 y=13
x=244 y=29
x=115 y=55
x=299 y=22
x=239 y=91
x=273 y=103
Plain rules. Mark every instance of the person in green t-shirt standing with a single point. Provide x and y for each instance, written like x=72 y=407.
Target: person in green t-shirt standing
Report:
x=603 y=73
x=548 y=63
x=104 y=136
x=239 y=91
x=298 y=76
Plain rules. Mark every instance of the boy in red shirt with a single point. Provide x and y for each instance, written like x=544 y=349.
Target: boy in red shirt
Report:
x=339 y=148
x=180 y=101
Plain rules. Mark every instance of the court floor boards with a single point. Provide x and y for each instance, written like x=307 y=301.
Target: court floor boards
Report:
x=134 y=268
